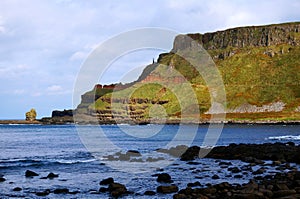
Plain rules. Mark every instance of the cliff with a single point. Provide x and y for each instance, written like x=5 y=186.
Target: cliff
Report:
x=252 y=36
x=259 y=66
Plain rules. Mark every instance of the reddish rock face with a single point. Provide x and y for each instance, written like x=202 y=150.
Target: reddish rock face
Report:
x=158 y=78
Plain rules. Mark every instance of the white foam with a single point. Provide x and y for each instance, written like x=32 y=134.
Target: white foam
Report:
x=285 y=137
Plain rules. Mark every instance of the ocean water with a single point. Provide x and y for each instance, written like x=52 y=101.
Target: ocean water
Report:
x=66 y=150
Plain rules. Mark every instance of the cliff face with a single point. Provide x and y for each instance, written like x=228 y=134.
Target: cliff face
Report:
x=255 y=36
x=259 y=66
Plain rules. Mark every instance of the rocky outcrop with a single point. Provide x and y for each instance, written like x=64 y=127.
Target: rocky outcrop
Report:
x=63 y=113
x=31 y=115
x=252 y=36
x=248 y=108
x=249 y=152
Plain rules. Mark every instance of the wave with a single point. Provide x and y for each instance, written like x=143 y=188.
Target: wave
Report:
x=285 y=137
x=5 y=164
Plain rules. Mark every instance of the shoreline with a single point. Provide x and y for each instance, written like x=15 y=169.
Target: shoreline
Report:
x=170 y=122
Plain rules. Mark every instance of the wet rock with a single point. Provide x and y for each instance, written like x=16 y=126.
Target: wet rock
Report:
x=43 y=193
x=52 y=175
x=280 y=186
x=133 y=153
x=164 y=177
x=149 y=193
x=103 y=189
x=180 y=196
x=150 y=159
x=117 y=189
x=234 y=170
x=225 y=163
x=259 y=171
x=124 y=157
x=17 y=189
x=190 y=154
x=195 y=184
x=107 y=181
x=61 y=191
x=167 y=189
x=215 y=177
x=283 y=193
x=2 y=179
x=29 y=173
x=238 y=176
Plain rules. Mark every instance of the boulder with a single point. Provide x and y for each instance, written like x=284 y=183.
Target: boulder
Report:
x=61 y=191
x=133 y=153
x=29 y=173
x=149 y=193
x=190 y=154
x=17 y=189
x=167 y=189
x=107 y=181
x=164 y=177
x=43 y=193
x=52 y=175
x=117 y=189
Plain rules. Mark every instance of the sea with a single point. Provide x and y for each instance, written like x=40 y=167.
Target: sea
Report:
x=79 y=155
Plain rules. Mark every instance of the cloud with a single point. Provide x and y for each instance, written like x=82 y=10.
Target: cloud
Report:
x=79 y=56
x=54 y=88
x=19 y=91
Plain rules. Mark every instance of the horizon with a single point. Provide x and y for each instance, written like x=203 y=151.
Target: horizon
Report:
x=44 y=44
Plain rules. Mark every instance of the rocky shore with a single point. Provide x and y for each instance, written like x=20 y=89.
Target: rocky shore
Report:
x=255 y=161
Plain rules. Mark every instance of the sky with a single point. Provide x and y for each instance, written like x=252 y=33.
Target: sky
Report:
x=43 y=43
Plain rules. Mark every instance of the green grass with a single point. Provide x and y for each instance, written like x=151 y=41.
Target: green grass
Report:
x=250 y=76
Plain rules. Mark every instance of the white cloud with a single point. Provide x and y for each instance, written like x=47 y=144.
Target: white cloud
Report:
x=54 y=88
x=36 y=94
x=19 y=91
x=79 y=56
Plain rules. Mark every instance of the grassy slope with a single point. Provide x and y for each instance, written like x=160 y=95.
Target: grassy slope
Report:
x=250 y=76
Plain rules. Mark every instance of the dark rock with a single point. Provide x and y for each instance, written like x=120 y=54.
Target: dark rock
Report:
x=107 y=181
x=149 y=193
x=17 y=189
x=190 y=154
x=259 y=171
x=255 y=153
x=195 y=184
x=283 y=193
x=193 y=163
x=280 y=186
x=133 y=153
x=117 y=189
x=225 y=163
x=164 y=177
x=167 y=189
x=234 y=170
x=180 y=196
x=63 y=113
x=61 y=191
x=29 y=173
x=2 y=179
x=238 y=176
x=215 y=177
x=103 y=189
x=52 y=175
x=43 y=193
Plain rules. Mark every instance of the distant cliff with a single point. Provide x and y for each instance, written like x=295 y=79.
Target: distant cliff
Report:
x=259 y=66
x=252 y=36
